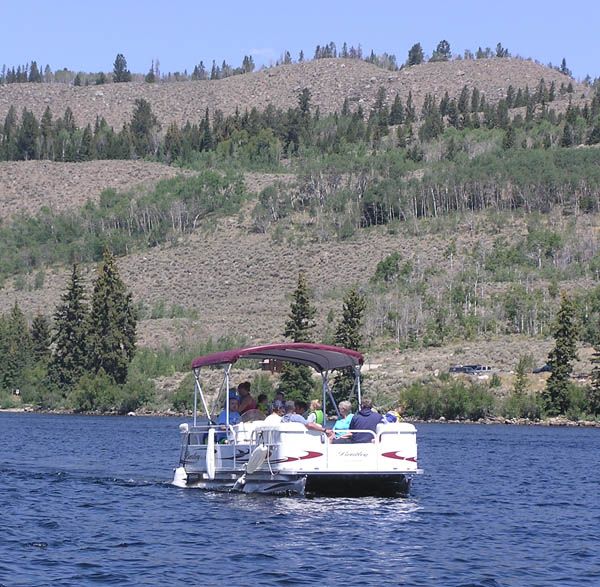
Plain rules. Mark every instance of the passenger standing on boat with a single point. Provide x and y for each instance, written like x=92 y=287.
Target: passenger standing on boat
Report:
x=365 y=419
x=342 y=425
x=275 y=416
x=316 y=413
x=292 y=416
x=247 y=402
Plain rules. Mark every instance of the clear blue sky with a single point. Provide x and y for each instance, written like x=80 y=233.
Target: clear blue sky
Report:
x=86 y=35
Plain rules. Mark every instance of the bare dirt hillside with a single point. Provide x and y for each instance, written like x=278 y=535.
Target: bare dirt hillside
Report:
x=330 y=81
x=238 y=283
x=26 y=186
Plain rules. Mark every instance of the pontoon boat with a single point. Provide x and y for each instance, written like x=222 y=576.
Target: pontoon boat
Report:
x=288 y=458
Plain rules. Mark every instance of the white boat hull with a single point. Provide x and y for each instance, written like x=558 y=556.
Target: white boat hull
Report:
x=289 y=459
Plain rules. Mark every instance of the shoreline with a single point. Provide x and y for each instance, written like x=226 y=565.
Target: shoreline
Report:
x=556 y=421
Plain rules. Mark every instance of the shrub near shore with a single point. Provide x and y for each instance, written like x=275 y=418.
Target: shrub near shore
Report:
x=459 y=399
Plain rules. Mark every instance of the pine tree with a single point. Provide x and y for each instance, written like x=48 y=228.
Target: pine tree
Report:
x=296 y=380
x=40 y=338
x=34 y=73
x=415 y=55
x=47 y=134
x=69 y=358
x=301 y=319
x=397 y=111
x=16 y=349
x=561 y=357
x=112 y=323
x=593 y=392
x=27 y=139
x=410 y=109
x=8 y=144
x=508 y=142
x=150 y=77
x=520 y=385
x=348 y=335
x=442 y=52
x=144 y=128
x=120 y=71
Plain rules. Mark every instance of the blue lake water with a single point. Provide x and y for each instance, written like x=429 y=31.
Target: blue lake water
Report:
x=87 y=501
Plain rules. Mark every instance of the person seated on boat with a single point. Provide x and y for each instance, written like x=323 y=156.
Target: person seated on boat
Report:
x=392 y=417
x=277 y=411
x=234 y=418
x=280 y=396
x=315 y=413
x=262 y=404
x=247 y=402
x=300 y=408
x=342 y=424
x=365 y=419
x=291 y=416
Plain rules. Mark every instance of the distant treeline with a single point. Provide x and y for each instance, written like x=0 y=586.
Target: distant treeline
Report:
x=263 y=138
x=354 y=170
x=32 y=73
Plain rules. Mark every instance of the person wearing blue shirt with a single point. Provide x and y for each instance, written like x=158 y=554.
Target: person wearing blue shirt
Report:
x=342 y=425
x=234 y=417
x=291 y=416
x=365 y=419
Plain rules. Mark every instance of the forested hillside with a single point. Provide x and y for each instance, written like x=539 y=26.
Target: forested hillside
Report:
x=461 y=197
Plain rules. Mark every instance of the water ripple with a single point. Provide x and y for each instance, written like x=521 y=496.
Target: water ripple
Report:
x=93 y=505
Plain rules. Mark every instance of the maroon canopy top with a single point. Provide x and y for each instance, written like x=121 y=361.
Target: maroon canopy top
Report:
x=321 y=357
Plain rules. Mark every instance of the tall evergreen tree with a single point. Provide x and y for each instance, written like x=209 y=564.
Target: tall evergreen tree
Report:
x=593 y=392
x=348 y=335
x=9 y=135
x=40 y=338
x=16 y=349
x=397 y=111
x=144 y=128
x=112 y=323
x=120 y=71
x=296 y=380
x=520 y=384
x=415 y=55
x=34 y=73
x=410 y=109
x=69 y=358
x=300 y=323
x=442 y=52
x=561 y=357
x=27 y=139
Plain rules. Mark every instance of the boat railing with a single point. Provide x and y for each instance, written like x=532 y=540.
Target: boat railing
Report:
x=197 y=436
x=376 y=436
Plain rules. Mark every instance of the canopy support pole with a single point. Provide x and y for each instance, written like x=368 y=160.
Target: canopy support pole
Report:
x=227 y=370
x=198 y=389
x=357 y=384
x=327 y=393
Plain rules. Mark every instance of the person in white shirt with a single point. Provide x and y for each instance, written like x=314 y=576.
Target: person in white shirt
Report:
x=275 y=416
